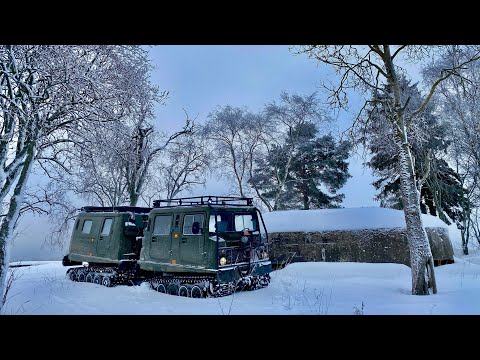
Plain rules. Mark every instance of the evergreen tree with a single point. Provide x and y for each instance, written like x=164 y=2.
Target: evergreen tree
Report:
x=318 y=169
x=441 y=193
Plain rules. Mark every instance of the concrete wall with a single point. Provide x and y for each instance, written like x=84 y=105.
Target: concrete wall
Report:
x=370 y=245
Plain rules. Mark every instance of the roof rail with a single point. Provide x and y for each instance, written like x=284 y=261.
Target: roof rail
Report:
x=204 y=200
x=134 y=209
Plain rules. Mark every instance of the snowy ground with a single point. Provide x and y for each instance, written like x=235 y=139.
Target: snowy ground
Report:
x=301 y=288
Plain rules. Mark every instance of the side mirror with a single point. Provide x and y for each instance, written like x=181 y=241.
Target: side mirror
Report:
x=196 y=227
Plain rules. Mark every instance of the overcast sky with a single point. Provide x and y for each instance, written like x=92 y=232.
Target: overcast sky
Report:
x=199 y=78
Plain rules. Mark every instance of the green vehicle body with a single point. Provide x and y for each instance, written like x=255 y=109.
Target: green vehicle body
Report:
x=221 y=241
x=104 y=237
x=175 y=249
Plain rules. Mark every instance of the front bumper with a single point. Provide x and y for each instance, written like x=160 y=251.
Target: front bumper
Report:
x=236 y=273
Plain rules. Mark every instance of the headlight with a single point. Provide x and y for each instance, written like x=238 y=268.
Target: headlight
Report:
x=223 y=261
x=244 y=239
x=264 y=254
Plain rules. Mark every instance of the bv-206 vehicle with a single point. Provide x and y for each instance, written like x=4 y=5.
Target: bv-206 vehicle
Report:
x=199 y=246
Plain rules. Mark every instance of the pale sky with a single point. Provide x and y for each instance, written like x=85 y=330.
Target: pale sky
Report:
x=199 y=78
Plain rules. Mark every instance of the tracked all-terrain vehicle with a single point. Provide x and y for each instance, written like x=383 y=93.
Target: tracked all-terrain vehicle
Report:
x=198 y=246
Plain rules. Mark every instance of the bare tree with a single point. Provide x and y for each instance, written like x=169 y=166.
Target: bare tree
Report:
x=234 y=134
x=188 y=166
x=48 y=96
x=460 y=108
x=369 y=69
x=185 y=166
x=114 y=167
x=144 y=152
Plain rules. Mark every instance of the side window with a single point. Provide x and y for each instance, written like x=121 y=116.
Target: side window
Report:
x=188 y=221
x=163 y=224
x=107 y=226
x=87 y=226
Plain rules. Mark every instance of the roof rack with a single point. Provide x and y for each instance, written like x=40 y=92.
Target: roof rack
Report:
x=204 y=200
x=134 y=209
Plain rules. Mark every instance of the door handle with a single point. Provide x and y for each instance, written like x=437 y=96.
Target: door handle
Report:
x=154 y=239
x=101 y=237
x=184 y=240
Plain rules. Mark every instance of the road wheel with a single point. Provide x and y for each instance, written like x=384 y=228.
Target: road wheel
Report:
x=106 y=281
x=196 y=291
x=89 y=278
x=81 y=276
x=72 y=275
x=183 y=291
x=172 y=289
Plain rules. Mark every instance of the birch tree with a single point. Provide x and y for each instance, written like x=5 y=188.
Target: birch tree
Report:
x=369 y=69
x=234 y=135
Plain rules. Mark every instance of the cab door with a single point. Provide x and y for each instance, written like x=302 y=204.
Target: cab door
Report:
x=161 y=237
x=84 y=242
x=192 y=243
x=105 y=236
x=176 y=239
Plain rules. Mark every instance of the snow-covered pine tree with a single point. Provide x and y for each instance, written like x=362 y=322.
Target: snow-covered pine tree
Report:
x=322 y=162
x=278 y=143
x=315 y=162
x=441 y=193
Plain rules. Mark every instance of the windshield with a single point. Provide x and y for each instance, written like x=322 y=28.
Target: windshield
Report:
x=234 y=221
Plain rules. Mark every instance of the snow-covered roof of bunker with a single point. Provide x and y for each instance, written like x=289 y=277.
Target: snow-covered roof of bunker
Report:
x=341 y=219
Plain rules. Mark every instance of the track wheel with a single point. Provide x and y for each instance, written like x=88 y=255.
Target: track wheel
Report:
x=89 y=278
x=97 y=279
x=81 y=276
x=172 y=289
x=72 y=275
x=183 y=291
x=161 y=288
x=196 y=291
x=106 y=281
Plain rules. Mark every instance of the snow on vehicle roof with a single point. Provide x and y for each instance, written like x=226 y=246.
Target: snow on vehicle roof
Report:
x=341 y=219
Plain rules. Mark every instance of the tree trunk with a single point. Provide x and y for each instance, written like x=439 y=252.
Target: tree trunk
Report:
x=303 y=188
x=466 y=215
x=420 y=253
x=10 y=218
x=133 y=198
x=421 y=257
x=464 y=242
